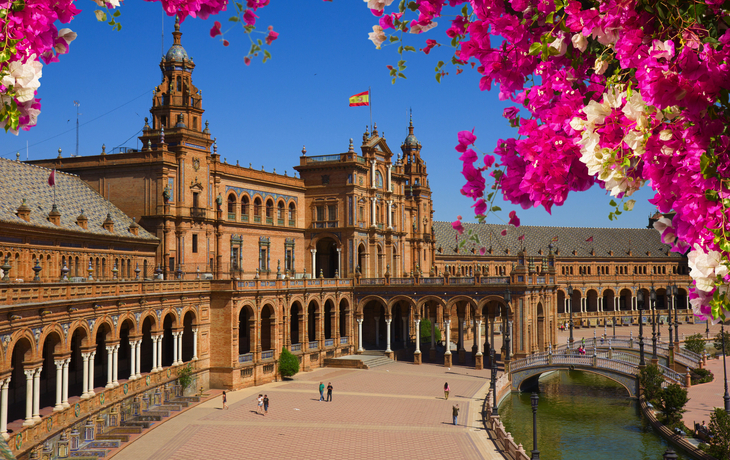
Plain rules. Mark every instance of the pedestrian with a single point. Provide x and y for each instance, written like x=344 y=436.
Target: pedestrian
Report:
x=446 y=390
x=329 y=392
x=266 y=404
x=225 y=400
x=455 y=412
x=259 y=403
x=321 y=391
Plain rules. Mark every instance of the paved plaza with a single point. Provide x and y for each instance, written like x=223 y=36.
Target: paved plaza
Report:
x=392 y=411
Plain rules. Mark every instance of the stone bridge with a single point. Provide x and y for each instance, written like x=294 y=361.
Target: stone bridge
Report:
x=619 y=366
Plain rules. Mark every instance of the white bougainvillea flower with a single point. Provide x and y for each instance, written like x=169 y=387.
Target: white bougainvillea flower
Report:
x=377 y=36
x=376 y=4
x=580 y=42
x=24 y=78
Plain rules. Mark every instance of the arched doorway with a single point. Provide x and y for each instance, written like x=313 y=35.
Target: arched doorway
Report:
x=21 y=357
x=344 y=314
x=540 y=327
x=101 y=359
x=51 y=348
x=267 y=328
x=167 y=340
x=373 y=325
x=326 y=258
x=312 y=321
x=361 y=259
x=145 y=365
x=187 y=351
x=295 y=317
x=124 y=362
x=329 y=312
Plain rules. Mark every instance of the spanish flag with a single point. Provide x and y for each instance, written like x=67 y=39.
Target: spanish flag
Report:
x=360 y=99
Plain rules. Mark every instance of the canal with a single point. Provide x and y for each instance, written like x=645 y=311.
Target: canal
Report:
x=582 y=416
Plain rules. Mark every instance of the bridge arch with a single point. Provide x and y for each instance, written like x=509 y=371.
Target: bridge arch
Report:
x=524 y=379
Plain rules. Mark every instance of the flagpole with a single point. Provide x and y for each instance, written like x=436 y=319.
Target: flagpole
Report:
x=370 y=104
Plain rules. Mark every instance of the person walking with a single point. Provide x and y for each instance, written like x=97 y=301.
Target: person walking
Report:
x=446 y=390
x=329 y=392
x=225 y=406
x=455 y=412
x=259 y=403
x=266 y=404
x=321 y=391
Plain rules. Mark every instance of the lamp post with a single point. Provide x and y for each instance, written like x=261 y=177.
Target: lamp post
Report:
x=640 y=300
x=670 y=307
x=495 y=412
x=535 y=453
x=707 y=328
x=570 y=322
x=507 y=340
x=652 y=296
x=614 y=327
x=675 y=300
x=725 y=397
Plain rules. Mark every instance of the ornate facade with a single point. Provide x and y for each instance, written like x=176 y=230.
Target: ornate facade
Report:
x=147 y=262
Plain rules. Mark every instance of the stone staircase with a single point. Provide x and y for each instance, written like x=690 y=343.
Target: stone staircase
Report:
x=366 y=360
x=113 y=439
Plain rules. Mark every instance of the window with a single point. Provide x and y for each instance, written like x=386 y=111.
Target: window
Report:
x=362 y=214
x=289 y=255
x=269 y=211
x=244 y=208
x=320 y=213
x=262 y=259
x=332 y=211
x=257 y=209
x=264 y=244
x=195 y=244
x=196 y=200
x=281 y=212
x=231 y=206
x=292 y=214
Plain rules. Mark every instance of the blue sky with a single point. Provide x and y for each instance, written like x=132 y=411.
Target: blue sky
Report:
x=264 y=113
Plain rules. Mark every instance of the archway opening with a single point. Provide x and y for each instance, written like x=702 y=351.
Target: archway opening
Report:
x=326 y=258
x=295 y=316
x=267 y=328
x=145 y=349
x=245 y=330
x=167 y=340
x=20 y=361
x=187 y=337
x=373 y=325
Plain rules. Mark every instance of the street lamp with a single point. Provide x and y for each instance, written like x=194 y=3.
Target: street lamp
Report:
x=535 y=453
x=652 y=296
x=614 y=326
x=726 y=397
x=570 y=323
x=507 y=299
x=640 y=299
x=675 y=300
x=707 y=328
x=495 y=412
x=670 y=294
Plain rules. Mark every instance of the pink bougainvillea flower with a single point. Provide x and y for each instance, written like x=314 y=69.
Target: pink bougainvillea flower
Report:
x=271 y=37
x=249 y=18
x=430 y=43
x=510 y=112
x=482 y=251
x=466 y=138
x=521 y=238
x=247 y=60
x=215 y=30
x=503 y=232
x=513 y=219
x=480 y=207
x=226 y=43
x=457 y=226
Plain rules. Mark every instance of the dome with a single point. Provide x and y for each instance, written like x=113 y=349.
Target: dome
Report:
x=411 y=140
x=176 y=53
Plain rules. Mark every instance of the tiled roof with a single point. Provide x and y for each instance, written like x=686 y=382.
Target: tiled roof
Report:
x=20 y=181
x=641 y=242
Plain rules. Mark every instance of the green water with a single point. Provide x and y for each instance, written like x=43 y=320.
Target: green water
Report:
x=582 y=416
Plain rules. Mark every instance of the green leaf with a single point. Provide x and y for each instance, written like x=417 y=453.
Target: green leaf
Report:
x=393 y=38
x=239 y=6
x=610 y=216
x=495 y=209
x=267 y=54
x=402 y=6
x=410 y=48
x=402 y=76
x=550 y=18
x=711 y=194
x=535 y=49
x=100 y=15
x=119 y=27
x=117 y=13
x=612 y=203
x=413 y=6
x=4 y=55
x=725 y=245
x=438 y=77
x=233 y=19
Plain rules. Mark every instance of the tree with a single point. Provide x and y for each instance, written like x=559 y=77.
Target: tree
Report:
x=720 y=434
x=288 y=363
x=185 y=376
x=426 y=326
x=695 y=343
x=719 y=339
x=672 y=400
x=651 y=379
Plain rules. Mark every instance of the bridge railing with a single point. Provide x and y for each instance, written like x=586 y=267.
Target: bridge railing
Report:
x=672 y=375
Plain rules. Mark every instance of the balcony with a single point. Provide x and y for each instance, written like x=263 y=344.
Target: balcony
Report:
x=244 y=218
x=329 y=343
x=257 y=219
x=268 y=354
x=198 y=213
x=296 y=347
x=231 y=216
x=269 y=220
x=292 y=223
x=280 y=222
x=313 y=345
x=245 y=358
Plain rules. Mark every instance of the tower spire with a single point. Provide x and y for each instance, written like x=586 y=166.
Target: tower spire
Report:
x=177 y=34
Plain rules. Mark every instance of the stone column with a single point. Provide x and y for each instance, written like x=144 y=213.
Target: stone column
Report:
x=138 y=350
x=159 y=351
x=64 y=402
x=314 y=262
x=633 y=303
x=479 y=358
x=92 y=355
x=389 y=176
x=390 y=216
x=109 y=359
x=387 y=335
x=377 y=331
x=179 y=347
x=133 y=362
x=4 y=409
x=28 y=397
x=195 y=344
x=418 y=336
x=359 y=335
x=373 y=208
x=339 y=262
x=154 y=353
x=115 y=366
x=372 y=173
x=37 y=395
x=462 y=324
x=447 y=337
x=59 y=384
x=175 y=335
x=85 y=376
